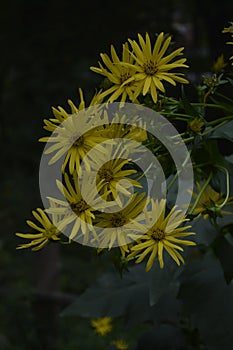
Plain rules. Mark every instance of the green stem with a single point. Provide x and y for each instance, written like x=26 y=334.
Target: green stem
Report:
x=200 y=193
x=227 y=184
x=215 y=128
x=229 y=117
x=212 y=105
x=186 y=116
x=223 y=96
x=171 y=183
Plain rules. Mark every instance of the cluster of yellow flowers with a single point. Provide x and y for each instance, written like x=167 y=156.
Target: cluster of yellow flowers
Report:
x=104 y=326
x=143 y=69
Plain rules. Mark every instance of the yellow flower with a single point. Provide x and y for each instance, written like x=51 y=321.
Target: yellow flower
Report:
x=118 y=128
x=164 y=234
x=60 y=114
x=47 y=231
x=219 y=64
x=67 y=140
x=209 y=202
x=196 y=125
x=121 y=77
x=229 y=30
x=109 y=169
x=102 y=325
x=74 y=208
x=120 y=344
x=152 y=67
x=124 y=224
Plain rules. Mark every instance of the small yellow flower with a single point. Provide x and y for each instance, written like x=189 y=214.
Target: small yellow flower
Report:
x=196 y=125
x=120 y=344
x=164 y=234
x=152 y=67
x=48 y=231
x=209 y=202
x=229 y=30
x=121 y=77
x=219 y=64
x=102 y=325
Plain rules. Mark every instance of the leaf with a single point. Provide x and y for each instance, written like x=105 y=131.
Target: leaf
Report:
x=162 y=279
x=225 y=132
x=208 y=300
x=112 y=296
x=205 y=232
x=164 y=337
x=223 y=247
x=208 y=152
x=229 y=158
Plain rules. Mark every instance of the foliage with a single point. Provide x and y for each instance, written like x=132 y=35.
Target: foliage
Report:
x=177 y=306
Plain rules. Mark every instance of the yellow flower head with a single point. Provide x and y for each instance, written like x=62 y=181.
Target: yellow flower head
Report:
x=102 y=325
x=229 y=30
x=47 y=231
x=120 y=344
x=196 y=125
x=209 y=202
x=109 y=168
x=219 y=64
x=124 y=223
x=118 y=128
x=152 y=67
x=60 y=113
x=68 y=140
x=74 y=208
x=164 y=234
x=121 y=77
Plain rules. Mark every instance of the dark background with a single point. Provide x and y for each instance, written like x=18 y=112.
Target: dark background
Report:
x=47 y=48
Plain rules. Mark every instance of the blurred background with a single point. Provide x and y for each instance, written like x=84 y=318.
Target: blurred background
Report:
x=47 y=48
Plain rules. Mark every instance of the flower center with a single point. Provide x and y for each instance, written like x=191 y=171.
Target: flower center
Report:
x=118 y=220
x=106 y=174
x=79 y=142
x=79 y=206
x=52 y=231
x=158 y=234
x=124 y=77
x=150 y=68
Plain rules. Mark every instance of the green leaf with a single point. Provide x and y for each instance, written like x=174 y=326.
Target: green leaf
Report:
x=229 y=158
x=208 y=152
x=112 y=295
x=208 y=299
x=162 y=279
x=224 y=132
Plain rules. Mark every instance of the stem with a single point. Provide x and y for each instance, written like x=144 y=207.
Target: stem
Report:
x=227 y=184
x=186 y=116
x=200 y=193
x=223 y=96
x=220 y=120
x=212 y=105
x=215 y=128
x=171 y=183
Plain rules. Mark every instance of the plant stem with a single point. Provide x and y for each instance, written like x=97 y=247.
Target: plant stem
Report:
x=200 y=193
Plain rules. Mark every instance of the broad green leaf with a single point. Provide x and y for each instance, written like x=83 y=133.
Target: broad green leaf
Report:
x=207 y=299
x=112 y=295
x=225 y=132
